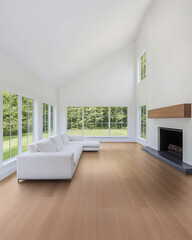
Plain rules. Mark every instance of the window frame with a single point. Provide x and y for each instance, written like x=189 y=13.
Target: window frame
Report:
x=95 y=116
x=33 y=132
x=140 y=123
x=19 y=109
x=10 y=125
x=127 y=115
x=82 y=130
x=139 y=66
x=49 y=120
x=98 y=136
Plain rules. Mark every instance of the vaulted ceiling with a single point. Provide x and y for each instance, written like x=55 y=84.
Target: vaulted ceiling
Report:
x=60 y=39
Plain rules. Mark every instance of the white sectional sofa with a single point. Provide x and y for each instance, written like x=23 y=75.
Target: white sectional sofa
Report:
x=53 y=158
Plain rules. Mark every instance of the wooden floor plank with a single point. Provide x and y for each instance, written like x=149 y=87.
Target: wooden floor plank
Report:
x=118 y=193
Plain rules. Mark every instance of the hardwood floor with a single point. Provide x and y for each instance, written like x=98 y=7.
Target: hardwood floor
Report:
x=119 y=193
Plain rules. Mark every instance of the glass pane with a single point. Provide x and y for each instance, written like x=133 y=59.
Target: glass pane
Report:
x=143 y=122
x=30 y=128
x=30 y=138
x=124 y=110
x=6 y=116
x=30 y=104
x=14 y=140
x=74 y=120
x=14 y=101
x=24 y=104
x=52 y=126
x=45 y=120
x=6 y=99
x=6 y=138
x=24 y=117
x=24 y=141
x=30 y=118
x=118 y=121
x=45 y=135
x=142 y=73
x=14 y=117
x=124 y=130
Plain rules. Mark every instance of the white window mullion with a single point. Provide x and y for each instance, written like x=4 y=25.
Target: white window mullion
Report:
x=9 y=125
x=109 y=120
x=83 y=121
x=49 y=120
x=34 y=122
x=19 y=124
x=1 y=124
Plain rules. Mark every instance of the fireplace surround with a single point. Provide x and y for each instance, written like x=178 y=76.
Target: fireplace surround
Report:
x=170 y=149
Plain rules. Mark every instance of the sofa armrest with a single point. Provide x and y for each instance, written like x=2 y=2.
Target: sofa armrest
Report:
x=43 y=165
x=75 y=138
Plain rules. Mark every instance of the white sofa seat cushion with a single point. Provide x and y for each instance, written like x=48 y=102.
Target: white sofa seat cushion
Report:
x=75 y=138
x=64 y=138
x=57 y=141
x=46 y=146
x=33 y=148
x=76 y=149
x=91 y=144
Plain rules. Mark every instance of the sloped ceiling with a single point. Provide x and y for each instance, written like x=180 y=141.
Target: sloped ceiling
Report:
x=60 y=39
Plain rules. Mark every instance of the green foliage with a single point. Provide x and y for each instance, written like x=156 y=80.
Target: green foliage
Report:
x=10 y=124
x=143 y=66
x=143 y=122
x=45 y=118
x=96 y=120
x=10 y=113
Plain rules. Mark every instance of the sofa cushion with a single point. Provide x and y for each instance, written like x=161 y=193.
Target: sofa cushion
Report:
x=75 y=138
x=91 y=144
x=46 y=146
x=76 y=149
x=57 y=141
x=33 y=148
x=64 y=138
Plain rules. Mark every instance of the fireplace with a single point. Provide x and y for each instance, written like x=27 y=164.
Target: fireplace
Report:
x=171 y=142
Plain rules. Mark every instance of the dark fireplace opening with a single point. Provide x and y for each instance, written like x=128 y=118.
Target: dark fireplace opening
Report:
x=171 y=142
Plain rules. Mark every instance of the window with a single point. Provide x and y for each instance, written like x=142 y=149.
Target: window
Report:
x=45 y=120
x=27 y=123
x=74 y=120
x=10 y=125
x=142 y=122
x=48 y=120
x=52 y=120
x=97 y=121
x=142 y=67
x=118 y=121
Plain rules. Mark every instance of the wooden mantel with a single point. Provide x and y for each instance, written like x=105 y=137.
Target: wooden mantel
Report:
x=177 y=111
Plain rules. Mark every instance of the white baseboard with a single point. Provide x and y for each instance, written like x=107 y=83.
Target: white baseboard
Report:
x=7 y=170
x=141 y=141
x=110 y=139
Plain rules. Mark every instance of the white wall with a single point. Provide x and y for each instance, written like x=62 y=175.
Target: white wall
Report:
x=166 y=34
x=17 y=79
x=109 y=83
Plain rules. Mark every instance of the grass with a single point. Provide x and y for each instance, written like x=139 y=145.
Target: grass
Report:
x=14 y=145
x=98 y=132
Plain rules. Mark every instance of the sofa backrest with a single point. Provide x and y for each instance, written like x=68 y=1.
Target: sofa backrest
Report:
x=64 y=138
x=46 y=145
x=52 y=144
x=57 y=141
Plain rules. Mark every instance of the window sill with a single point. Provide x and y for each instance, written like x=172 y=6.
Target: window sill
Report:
x=141 y=81
x=9 y=161
x=106 y=136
